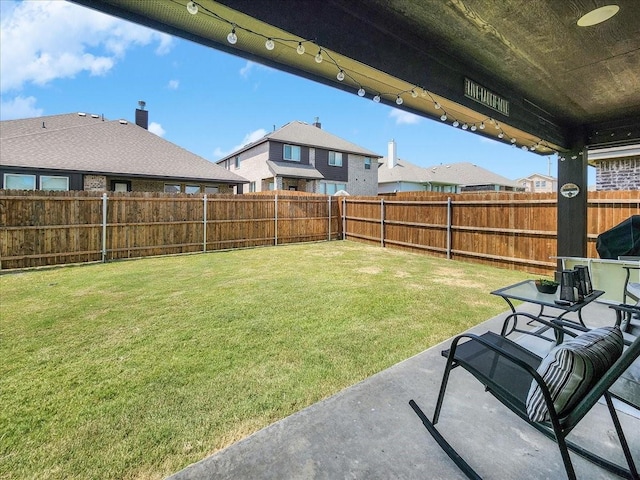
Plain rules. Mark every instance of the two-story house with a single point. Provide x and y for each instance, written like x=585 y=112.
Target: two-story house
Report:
x=304 y=157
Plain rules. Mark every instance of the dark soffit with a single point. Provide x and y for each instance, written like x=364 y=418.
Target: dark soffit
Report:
x=566 y=85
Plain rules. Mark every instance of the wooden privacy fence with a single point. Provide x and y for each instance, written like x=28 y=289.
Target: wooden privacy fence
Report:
x=510 y=230
x=48 y=228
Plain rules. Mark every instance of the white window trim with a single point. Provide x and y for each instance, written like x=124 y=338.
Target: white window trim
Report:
x=66 y=179
x=292 y=149
x=334 y=163
x=24 y=175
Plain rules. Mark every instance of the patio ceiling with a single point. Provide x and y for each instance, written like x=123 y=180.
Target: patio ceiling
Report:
x=519 y=71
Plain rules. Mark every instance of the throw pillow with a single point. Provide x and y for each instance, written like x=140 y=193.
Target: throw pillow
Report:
x=571 y=368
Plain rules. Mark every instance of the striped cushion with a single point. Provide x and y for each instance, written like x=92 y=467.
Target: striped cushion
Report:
x=570 y=369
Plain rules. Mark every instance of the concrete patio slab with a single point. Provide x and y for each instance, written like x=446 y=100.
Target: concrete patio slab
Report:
x=369 y=431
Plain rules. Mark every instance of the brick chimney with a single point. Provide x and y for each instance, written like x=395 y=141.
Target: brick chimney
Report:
x=142 y=115
x=392 y=154
x=317 y=123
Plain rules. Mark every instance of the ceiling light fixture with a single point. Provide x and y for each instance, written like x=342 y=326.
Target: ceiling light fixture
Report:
x=598 y=15
x=192 y=8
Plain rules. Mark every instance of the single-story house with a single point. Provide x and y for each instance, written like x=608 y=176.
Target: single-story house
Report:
x=82 y=151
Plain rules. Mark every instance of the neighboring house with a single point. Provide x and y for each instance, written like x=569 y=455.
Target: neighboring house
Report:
x=79 y=151
x=304 y=157
x=617 y=168
x=538 y=183
x=396 y=175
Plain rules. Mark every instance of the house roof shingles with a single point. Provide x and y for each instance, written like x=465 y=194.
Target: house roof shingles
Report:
x=301 y=133
x=91 y=144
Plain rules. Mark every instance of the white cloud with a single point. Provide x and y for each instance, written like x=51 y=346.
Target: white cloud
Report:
x=248 y=138
x=157 y=129
x=404 y=118
x=173 y=84
x=19 y=107
x=246 y=70
x=46 y=40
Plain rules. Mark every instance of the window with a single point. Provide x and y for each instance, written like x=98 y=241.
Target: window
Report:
x=169 y=188
x=117 y=186
x=48 y=182
x=538 y=183
x=252 y=187
x=236 y=162
x=211 y=189
x=331 y=188
x=543 y=183
x=14 y=181
x=335 y=159
x=367 y=163
x=292 y=152
x=192 y=189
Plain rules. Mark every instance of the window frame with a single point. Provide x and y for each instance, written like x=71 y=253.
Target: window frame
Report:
x=236 y=162
x=367 y=163
x=21 y=176
x=57 y=177
x=292 y=149
x=333 y=159
x=172 y=185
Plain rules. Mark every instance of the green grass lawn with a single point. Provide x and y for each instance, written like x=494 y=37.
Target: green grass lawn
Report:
x=136 y=369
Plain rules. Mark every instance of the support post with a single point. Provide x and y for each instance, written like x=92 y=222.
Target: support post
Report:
x=344 y=218
x=329 y=217
x=382 y=222
x=572 y=204
x=104 y=227
x=204 y=224
x=275 y=231
x=449 y=206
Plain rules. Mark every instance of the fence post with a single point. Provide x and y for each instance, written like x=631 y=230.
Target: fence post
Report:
x=329 y=217
x=204 y=225
x=344 y=218
x=449 y=228
x=276 y=221
x=104 y=227
x=382 y=222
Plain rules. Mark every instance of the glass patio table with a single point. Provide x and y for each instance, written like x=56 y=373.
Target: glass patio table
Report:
x=526 y=291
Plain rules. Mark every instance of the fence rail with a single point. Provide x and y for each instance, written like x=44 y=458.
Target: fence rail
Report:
x=511 y=230
x=49 y=228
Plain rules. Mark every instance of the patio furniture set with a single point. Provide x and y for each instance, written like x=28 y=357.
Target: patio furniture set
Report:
x=554 y=392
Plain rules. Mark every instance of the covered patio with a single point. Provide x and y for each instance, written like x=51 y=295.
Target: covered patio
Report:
x=370 y=431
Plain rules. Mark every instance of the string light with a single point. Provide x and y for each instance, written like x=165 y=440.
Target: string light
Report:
x=232 y=38
x=193 y=7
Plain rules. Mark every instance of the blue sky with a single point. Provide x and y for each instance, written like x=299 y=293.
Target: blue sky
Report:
x=57 y=57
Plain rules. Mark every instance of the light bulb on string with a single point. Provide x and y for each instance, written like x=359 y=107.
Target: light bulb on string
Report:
x=473 y=128
x=414 y=94
x=269 y=45
x=377 y=98
x=232 y=38
x=300 y=48
x=524 y=147
x=465 y=126
x=455 y=123
x=361 y=92
x=424 y=92
x=482 y=126
x=513 y=140
x=340 y=76
x=399 y=100
x=437 y=106
x=501 y=135
x=497 y=126
x=192 y=8
x=318 y=57
x=443 y=117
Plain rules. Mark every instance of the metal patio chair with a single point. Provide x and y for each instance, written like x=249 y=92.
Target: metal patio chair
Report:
x=509 y=372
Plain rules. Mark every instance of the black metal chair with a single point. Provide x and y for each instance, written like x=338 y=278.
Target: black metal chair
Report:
x=507 y=371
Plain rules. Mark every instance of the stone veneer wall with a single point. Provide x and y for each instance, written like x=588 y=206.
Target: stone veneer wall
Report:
x=95 y=182
x=618 y=174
